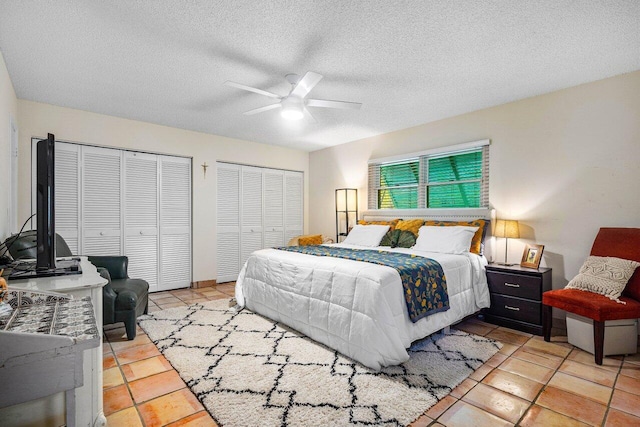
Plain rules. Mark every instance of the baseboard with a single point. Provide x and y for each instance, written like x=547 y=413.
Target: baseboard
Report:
x=203 y=284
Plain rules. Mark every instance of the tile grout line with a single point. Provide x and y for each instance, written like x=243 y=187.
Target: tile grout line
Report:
x=613 y=390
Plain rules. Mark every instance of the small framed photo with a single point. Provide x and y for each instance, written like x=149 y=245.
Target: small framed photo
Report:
x=532 y=256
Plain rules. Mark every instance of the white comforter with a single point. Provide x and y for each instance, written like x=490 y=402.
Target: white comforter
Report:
x=355 y=307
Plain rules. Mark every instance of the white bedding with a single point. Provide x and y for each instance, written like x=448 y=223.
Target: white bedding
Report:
x=355 y=307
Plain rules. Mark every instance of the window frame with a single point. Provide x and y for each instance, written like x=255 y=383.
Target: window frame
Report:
x=375 y=165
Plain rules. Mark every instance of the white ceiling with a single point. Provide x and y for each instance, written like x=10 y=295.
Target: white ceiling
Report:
x=408 y=62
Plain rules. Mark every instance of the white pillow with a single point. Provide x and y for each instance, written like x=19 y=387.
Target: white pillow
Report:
x=366 y=235
x=447 y=240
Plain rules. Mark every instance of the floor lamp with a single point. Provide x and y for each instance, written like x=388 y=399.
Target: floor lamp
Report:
x=509 y=229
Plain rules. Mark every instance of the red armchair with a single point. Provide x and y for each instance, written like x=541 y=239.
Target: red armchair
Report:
x=612 y=242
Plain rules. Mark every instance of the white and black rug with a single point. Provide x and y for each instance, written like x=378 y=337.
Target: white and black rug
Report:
x=250 y=371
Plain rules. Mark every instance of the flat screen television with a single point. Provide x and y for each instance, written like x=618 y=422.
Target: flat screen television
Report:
x=45 y=264
x=45 y=204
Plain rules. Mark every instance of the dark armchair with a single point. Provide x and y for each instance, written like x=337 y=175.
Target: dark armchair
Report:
x=124 y=299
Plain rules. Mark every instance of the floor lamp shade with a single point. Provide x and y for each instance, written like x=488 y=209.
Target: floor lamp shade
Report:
x=509 y=229
x=346 y=211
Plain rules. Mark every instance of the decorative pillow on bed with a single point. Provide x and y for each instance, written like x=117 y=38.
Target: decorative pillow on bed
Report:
x=312 y=239
x=366 y=235
x=398 y=239
x=605 y=276
x=388 y=238
x=392 y=223
x=448 y=240
x=412 y=225
x=477 y=243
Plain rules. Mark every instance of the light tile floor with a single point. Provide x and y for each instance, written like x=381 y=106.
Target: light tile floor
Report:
x=528 y=383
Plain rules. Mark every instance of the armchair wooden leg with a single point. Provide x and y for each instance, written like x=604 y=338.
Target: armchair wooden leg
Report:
x=598 y=341
x=546 y=322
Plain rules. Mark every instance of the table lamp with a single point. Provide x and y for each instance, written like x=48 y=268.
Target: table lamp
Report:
x=507 y=228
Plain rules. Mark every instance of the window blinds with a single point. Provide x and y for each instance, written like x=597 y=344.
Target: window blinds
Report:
x=456 y=179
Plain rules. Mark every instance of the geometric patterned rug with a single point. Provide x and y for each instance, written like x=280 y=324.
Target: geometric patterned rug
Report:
x=248 y=370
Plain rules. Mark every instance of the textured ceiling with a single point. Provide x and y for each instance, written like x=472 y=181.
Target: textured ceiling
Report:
x=407 y=62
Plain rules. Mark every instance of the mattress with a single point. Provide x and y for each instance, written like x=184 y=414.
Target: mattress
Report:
x=354 y=307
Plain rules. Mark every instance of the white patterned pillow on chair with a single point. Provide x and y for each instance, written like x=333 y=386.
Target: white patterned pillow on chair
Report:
x=604 y=275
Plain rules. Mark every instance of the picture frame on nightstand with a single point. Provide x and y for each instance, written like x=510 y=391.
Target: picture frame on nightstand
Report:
x=532 y=256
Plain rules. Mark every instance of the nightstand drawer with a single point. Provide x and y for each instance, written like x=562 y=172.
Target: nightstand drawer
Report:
x=516 y=308
x=517 y=285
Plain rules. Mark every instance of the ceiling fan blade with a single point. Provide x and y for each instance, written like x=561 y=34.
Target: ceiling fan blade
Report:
x=252 y=89
x=261 y=109
x=304 y=86
x=308 y=116
x=333 y=104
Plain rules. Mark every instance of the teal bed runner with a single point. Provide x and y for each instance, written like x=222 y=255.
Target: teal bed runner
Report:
x=425 y=286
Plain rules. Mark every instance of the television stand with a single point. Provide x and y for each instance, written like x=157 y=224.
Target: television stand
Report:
x=51 y=410
x=28 y=270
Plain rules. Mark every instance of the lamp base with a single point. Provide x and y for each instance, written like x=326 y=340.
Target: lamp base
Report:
x=506 y=264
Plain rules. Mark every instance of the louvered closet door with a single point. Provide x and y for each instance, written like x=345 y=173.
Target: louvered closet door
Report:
x=228 y=222
x=251 y=212
x=293 y=208
x=67 y=187
x=273 y=208
x=175 y=222
x=141 y=216
x=101 y=201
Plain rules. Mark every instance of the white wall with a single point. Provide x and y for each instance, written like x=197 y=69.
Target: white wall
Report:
x=564 y=164
x=67 y=124
x=8 y=111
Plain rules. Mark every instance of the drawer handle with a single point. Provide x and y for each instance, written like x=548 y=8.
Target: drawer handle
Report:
x=512 y=285
x=508 y=307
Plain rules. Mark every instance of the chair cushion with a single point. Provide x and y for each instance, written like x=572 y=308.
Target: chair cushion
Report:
x=591 y=305
x=621 y=243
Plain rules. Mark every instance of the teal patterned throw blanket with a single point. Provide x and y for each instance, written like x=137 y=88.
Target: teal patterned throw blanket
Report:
x=425 y=286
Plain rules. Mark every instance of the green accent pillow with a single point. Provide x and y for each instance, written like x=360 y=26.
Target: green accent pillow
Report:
x=390 y=239
x=398 y=239
x=406 y=239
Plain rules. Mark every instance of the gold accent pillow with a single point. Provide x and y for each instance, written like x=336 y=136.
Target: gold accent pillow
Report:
x=391 y=224
x=478 y=238
x=412 y=225
x=311 y=239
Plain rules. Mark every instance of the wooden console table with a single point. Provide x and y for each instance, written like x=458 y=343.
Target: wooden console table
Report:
x=86 y=400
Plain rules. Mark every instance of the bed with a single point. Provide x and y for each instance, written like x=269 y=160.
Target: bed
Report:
x=354 y=307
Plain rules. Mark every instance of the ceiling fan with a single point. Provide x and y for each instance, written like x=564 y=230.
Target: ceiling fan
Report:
x=294 y=105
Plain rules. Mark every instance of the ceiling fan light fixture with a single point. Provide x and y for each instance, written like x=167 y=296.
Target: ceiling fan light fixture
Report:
x=294 y=105
x=292 y=109
x=292 y=114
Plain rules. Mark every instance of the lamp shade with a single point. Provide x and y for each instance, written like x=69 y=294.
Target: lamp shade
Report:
x=507 y=228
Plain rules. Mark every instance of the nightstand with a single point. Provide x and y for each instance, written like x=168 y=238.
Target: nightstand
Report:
x=516 y=296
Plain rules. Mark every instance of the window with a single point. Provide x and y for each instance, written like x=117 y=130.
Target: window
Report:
x=399 y=184
x=455 y=178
